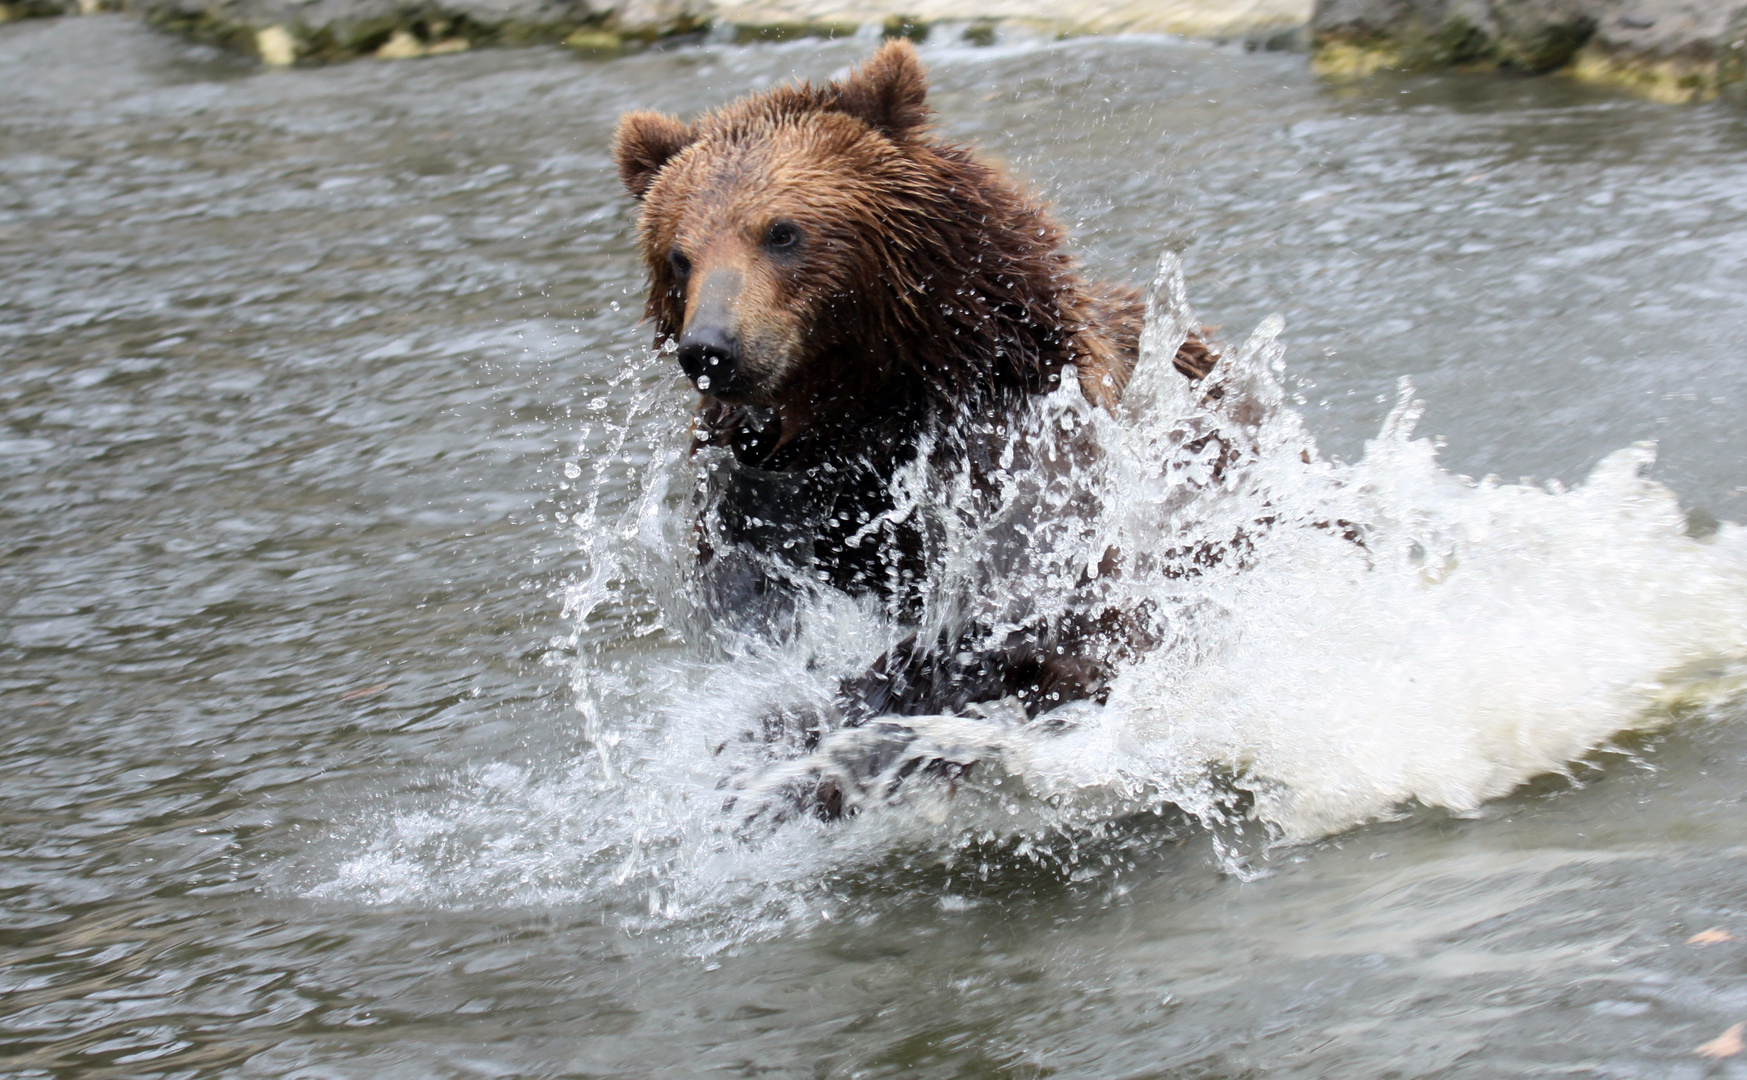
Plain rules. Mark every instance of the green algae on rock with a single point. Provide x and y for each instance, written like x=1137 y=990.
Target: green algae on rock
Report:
x=1267 y=23
x=285 y=32
x=1357 y=37
x=1671 y=51
x=1668 y=50
x=40 y=9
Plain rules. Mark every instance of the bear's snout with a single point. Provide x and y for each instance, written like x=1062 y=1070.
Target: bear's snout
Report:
x=710 y=349
x=710 y=357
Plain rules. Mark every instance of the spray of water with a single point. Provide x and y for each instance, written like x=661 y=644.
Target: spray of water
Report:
x=1334 y=643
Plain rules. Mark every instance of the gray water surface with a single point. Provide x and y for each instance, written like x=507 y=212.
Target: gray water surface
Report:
x=290 y=367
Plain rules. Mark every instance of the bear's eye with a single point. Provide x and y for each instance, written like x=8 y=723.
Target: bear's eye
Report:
x=682 y=266
x=782 y=236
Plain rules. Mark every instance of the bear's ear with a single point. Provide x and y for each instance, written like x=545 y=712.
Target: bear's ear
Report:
x=645 y=142
x=889 y=93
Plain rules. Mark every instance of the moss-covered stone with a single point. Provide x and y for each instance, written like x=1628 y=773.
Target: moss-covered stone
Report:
x=979 y=33
x=597 y=43
x=320 y=31
x=905 y=26
x=1672 y=80
x=283 y=32
x=1457 y=42
x=1546 y=48
x=1456 y=45
x=1335 y=58
x=42 y=9
x=1668 y=50
x=204 y=26
x=748 y=33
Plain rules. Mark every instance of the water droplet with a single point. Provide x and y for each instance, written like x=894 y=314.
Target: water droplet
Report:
x=572 y=469
x=703 y=382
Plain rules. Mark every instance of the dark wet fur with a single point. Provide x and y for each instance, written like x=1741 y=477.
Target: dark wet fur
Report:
x=938 y=300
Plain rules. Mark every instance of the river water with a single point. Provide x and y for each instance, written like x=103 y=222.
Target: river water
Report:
x=349 y=730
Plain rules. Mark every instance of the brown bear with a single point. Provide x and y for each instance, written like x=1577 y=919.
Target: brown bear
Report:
x=849 y=292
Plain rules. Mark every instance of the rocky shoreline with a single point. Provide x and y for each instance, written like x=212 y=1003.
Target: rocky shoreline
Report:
x=285 y=32
x=1668 y=50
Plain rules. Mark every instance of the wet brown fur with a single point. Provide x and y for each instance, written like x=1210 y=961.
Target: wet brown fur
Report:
x=931 y=288
x=931 y=296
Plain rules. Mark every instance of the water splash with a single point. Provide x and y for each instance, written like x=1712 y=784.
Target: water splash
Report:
x=1337 y=642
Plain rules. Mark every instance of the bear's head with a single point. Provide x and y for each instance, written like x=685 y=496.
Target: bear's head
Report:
x=789 y=234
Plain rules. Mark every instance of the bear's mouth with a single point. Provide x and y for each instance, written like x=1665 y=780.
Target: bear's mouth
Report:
x=732 y=380
x=735 y=393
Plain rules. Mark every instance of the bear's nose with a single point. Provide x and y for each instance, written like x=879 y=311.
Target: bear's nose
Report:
x=709 y=356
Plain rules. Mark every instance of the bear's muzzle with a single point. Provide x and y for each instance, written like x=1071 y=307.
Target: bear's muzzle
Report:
x=710 y=357
x=709 y=348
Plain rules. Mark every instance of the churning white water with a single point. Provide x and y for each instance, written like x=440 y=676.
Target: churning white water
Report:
x=296 y=364
x=1339 y=642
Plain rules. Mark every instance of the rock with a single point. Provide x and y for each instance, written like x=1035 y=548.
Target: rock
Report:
x=595 y=43
x=284 y=32
x=1357 y=37
x=276 y=46
x=38 y=9
x=402 y=45
x=1671 y=50
x=1257 y=23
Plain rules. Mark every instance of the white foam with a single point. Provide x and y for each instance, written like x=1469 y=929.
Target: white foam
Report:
x=1485 y=634
x=1385 y=634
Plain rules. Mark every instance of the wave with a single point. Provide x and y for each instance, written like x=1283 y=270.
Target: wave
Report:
x=1339 y=643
